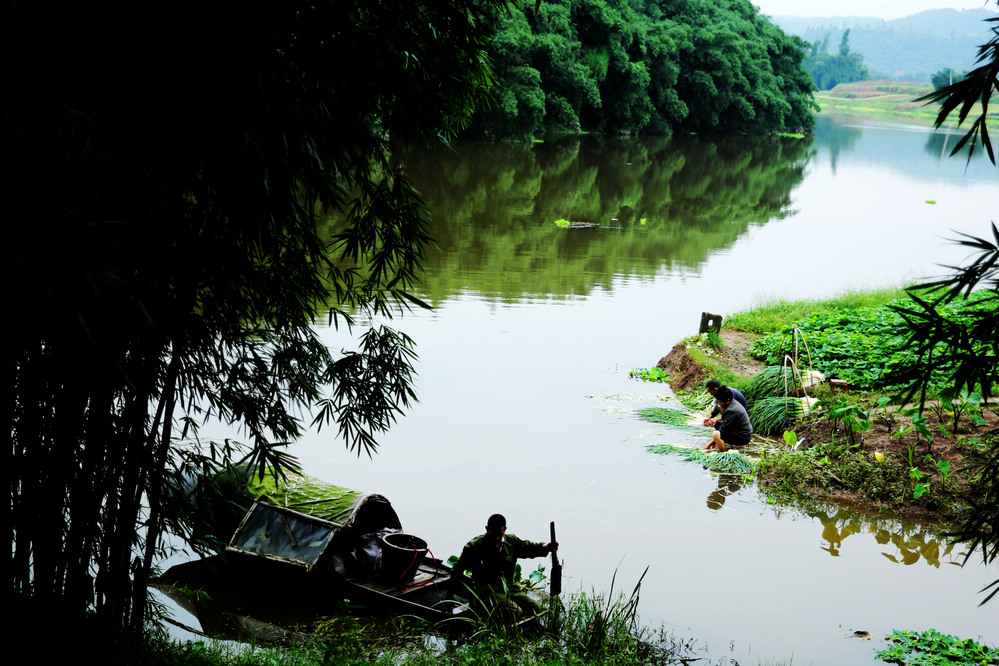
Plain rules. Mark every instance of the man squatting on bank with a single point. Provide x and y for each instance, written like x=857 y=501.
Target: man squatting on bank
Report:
x=735 y=428
x=712 y=386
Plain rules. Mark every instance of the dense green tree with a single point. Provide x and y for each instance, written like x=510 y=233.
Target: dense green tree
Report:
x=170 y=166
x=944 y=77
x=829 y=70
x=648 y=66
x=903 y=49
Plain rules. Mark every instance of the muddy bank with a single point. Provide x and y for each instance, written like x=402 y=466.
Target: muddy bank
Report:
x=686 y=373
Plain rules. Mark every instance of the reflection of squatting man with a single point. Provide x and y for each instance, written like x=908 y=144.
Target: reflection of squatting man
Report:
x=491 y=558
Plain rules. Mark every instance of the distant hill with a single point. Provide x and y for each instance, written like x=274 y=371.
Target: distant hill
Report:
x=905 y=49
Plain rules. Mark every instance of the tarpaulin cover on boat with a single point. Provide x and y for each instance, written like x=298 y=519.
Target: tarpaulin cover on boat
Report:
x=313 y=497
x=299 y=519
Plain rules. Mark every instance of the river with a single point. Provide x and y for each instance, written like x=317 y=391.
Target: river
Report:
x=526 y=406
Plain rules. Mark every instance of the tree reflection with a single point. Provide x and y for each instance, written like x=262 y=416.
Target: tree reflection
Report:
x=648 y=203
x=908 y=542
x=940 y=144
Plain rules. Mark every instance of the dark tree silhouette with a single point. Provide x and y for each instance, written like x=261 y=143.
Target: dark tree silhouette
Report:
x=173 y=168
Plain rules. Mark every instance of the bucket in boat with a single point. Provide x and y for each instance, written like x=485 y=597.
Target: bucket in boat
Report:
x=402 y=555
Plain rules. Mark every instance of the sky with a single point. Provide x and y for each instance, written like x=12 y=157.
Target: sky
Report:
x=886 y=9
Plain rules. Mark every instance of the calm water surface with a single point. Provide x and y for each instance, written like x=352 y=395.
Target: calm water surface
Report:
x=526 y=407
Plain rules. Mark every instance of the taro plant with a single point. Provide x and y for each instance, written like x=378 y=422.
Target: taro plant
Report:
x=885 y=414
x=943 y=469
x=920 y=488
x=854 y=418
x=535 y=580
x=862 y=345
x=966 y=442
x=962 y=403
x=941 y=408
x=919 y=423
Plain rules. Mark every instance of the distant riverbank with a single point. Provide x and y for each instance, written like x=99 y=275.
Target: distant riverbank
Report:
x=884 y=100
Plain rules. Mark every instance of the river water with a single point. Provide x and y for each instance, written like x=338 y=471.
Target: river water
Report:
x=526 y=407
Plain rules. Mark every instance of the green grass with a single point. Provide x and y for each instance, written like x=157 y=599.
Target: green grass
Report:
x=888 y=100
x=715 y=368
x=583 y=629
x=789 y=476
x=771 y=316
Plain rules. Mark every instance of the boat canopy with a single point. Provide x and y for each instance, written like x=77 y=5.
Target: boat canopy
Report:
x=305 y=521
x=316 y=498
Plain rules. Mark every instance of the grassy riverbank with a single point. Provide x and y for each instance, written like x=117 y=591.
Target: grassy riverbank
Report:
x=891 y=101
x=586 y=629
x=359 y=644
x=879 y=100
x=856 y=446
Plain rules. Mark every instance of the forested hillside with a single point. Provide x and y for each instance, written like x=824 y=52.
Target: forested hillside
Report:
x=905 y=49
x=643 y=66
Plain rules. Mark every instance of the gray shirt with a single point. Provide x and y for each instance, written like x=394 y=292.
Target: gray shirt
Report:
x=735 y=422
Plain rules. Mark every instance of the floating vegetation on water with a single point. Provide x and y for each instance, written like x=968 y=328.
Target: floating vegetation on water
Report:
x=649 y=374
x=695 y=402
x=672 y=417
x=627 y=403
x=727 y=462
x=933 y=647
x=566 y=224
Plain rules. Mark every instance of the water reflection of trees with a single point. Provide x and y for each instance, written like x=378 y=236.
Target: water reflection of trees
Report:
x=728 y=484
x=941 y=144
x=905 y=542
x=836 y=138
x=655 y=202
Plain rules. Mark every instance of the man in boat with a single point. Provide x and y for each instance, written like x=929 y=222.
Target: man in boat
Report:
x=712 y=387
x=491 y=558
x=734 y=428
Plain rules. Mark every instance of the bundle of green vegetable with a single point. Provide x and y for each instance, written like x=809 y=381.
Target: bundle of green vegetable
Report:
x=671 y=417
x=727 y=462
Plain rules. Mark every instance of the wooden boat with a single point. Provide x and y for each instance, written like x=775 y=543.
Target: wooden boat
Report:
x=304 y=546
